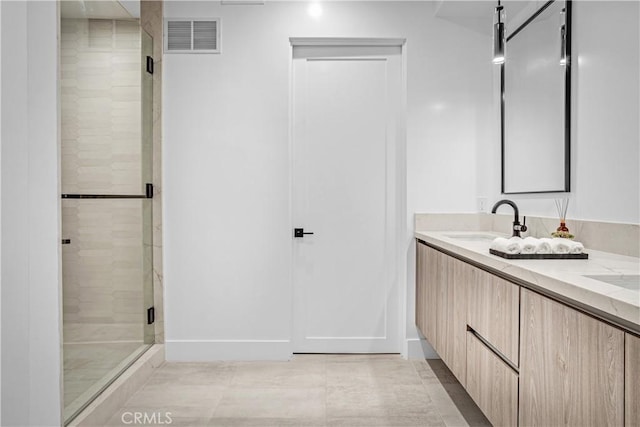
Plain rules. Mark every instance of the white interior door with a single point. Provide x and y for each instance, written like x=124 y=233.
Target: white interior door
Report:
x=346 y=105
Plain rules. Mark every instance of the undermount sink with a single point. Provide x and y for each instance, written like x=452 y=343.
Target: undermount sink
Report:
x=629 y=281
x=472 y=237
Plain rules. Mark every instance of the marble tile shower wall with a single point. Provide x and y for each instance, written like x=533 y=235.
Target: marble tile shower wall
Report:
x=103 y=267
x=101 y=107
x=101 y=153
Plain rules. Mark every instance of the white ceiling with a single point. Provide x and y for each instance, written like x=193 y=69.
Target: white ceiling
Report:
x=477 y=15
x=100 y=9
x=132 y=6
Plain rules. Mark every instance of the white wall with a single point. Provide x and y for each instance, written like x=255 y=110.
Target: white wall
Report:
x=226 y=160
x=0 y=211
x=31 y=309
x=605 y=180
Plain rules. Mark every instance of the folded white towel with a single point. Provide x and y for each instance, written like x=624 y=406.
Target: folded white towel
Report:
x=529 y=245
x=544 y=246
x=509 y=246
x=560 y=245
x=576 y=248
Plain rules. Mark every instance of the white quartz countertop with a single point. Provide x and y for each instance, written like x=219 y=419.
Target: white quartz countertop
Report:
x=562 y=279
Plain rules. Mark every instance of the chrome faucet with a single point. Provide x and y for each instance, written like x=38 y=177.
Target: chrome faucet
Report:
x=517 y=228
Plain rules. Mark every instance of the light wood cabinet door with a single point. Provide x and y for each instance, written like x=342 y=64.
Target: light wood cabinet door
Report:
x=491 y=383
x=421 y=271
x=428 y=275
x=441 y=306
x=452 y=315
x=632 y=381
x=571 y=367
x=493 y=312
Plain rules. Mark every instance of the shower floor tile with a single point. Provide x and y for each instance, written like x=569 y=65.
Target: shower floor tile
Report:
x=87 y=363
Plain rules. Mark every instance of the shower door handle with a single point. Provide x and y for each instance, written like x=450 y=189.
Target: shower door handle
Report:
x=299 y=232
x=147 y=195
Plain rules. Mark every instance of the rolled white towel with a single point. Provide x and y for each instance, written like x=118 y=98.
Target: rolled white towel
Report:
x=544 y=246
x=509 y=246
x=576 y=248
x=529 y=245
x=560 y=245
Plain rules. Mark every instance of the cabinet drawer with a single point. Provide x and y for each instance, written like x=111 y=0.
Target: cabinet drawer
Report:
x=491 y=383
x=493 y=312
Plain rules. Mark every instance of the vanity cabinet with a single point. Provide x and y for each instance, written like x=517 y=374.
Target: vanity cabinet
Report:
x=493 y=317
x=571 y=366
x=451 y=322
x=441 y=306
x=494 y=309
x=491 y=383
x=525 y=358
x=429 y=269
x=632 y=381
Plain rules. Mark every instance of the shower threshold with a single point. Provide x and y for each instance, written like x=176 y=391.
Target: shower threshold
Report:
x=72 y=410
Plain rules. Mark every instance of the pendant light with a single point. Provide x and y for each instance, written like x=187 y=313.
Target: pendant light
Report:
x=563 y=38
x=498 y=35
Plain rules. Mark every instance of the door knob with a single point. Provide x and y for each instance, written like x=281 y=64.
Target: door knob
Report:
x=299 y=232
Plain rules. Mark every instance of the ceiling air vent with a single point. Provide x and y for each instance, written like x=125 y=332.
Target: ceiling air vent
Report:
x=185 y=35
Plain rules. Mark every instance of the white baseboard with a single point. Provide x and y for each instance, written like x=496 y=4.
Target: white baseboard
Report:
x=420 y=349
x=211 y=350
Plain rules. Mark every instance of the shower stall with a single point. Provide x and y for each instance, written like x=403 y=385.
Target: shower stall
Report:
x=106 y=182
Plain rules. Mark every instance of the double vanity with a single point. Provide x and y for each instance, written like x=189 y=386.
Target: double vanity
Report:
x=538 y=342
x=534 y=342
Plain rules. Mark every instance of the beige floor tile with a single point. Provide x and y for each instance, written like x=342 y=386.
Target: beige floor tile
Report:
x=267 y=422
x=434 y=372
x=383 y=401
x=456 y=407
x=278 y=374
x=310 y=390
x=362 y=357
x=165 y=396
x=175 y=416
x=374 y=372
x=187 y=422
x=86 y=364
x=214 y=374
x=272 y=403
x=428 y=420
x=451 y=400
x=465 y=405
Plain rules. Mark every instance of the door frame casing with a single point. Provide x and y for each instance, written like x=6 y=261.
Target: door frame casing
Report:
x=400 y=226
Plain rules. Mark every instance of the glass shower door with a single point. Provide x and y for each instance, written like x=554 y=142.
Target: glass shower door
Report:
x=107 y=270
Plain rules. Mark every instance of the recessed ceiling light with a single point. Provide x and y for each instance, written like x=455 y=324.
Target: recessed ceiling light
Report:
x=315 y=10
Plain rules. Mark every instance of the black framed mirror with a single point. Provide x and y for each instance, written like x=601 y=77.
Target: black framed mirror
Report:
x=536 y=103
